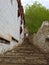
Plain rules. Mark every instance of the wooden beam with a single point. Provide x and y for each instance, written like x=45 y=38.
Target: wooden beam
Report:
x=7 y=38
x=14 y=39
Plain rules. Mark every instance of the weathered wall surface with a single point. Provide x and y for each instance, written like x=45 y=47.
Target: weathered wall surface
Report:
x=22 y=21
x=41 y=39
x=9 y=21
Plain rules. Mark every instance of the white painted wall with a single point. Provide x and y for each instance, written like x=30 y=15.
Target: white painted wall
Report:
x=9 y=22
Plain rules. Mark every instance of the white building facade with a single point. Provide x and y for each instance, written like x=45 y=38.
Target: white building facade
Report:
x=11 y=21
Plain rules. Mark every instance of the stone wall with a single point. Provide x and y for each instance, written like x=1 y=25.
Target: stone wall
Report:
x=41 y=39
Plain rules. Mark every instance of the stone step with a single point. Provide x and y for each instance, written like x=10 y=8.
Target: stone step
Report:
x=34 y=60
x=23 y=55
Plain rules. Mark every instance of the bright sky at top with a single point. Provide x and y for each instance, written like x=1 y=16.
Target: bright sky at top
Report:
x=29 y=2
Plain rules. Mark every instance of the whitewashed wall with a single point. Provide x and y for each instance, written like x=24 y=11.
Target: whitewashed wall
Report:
x=9 y=22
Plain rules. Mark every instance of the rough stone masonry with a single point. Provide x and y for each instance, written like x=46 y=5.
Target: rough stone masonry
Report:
x=41 y=39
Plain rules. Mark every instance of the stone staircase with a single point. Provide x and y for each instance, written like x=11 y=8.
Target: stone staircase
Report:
x=24 y=54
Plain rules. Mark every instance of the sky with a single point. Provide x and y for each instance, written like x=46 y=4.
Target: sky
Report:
x=29 y=2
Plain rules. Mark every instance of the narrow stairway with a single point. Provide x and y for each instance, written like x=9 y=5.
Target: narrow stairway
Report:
x=24 y=54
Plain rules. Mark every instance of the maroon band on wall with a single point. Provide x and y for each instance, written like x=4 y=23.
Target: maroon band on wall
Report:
x=21 y=13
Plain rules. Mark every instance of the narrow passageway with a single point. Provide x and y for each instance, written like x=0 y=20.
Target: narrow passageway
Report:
x=24 y=54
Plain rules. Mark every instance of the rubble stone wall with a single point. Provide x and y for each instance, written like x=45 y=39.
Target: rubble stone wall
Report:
x=41 y=39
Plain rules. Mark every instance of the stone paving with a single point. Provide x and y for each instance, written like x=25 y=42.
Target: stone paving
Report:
x=24 y=54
